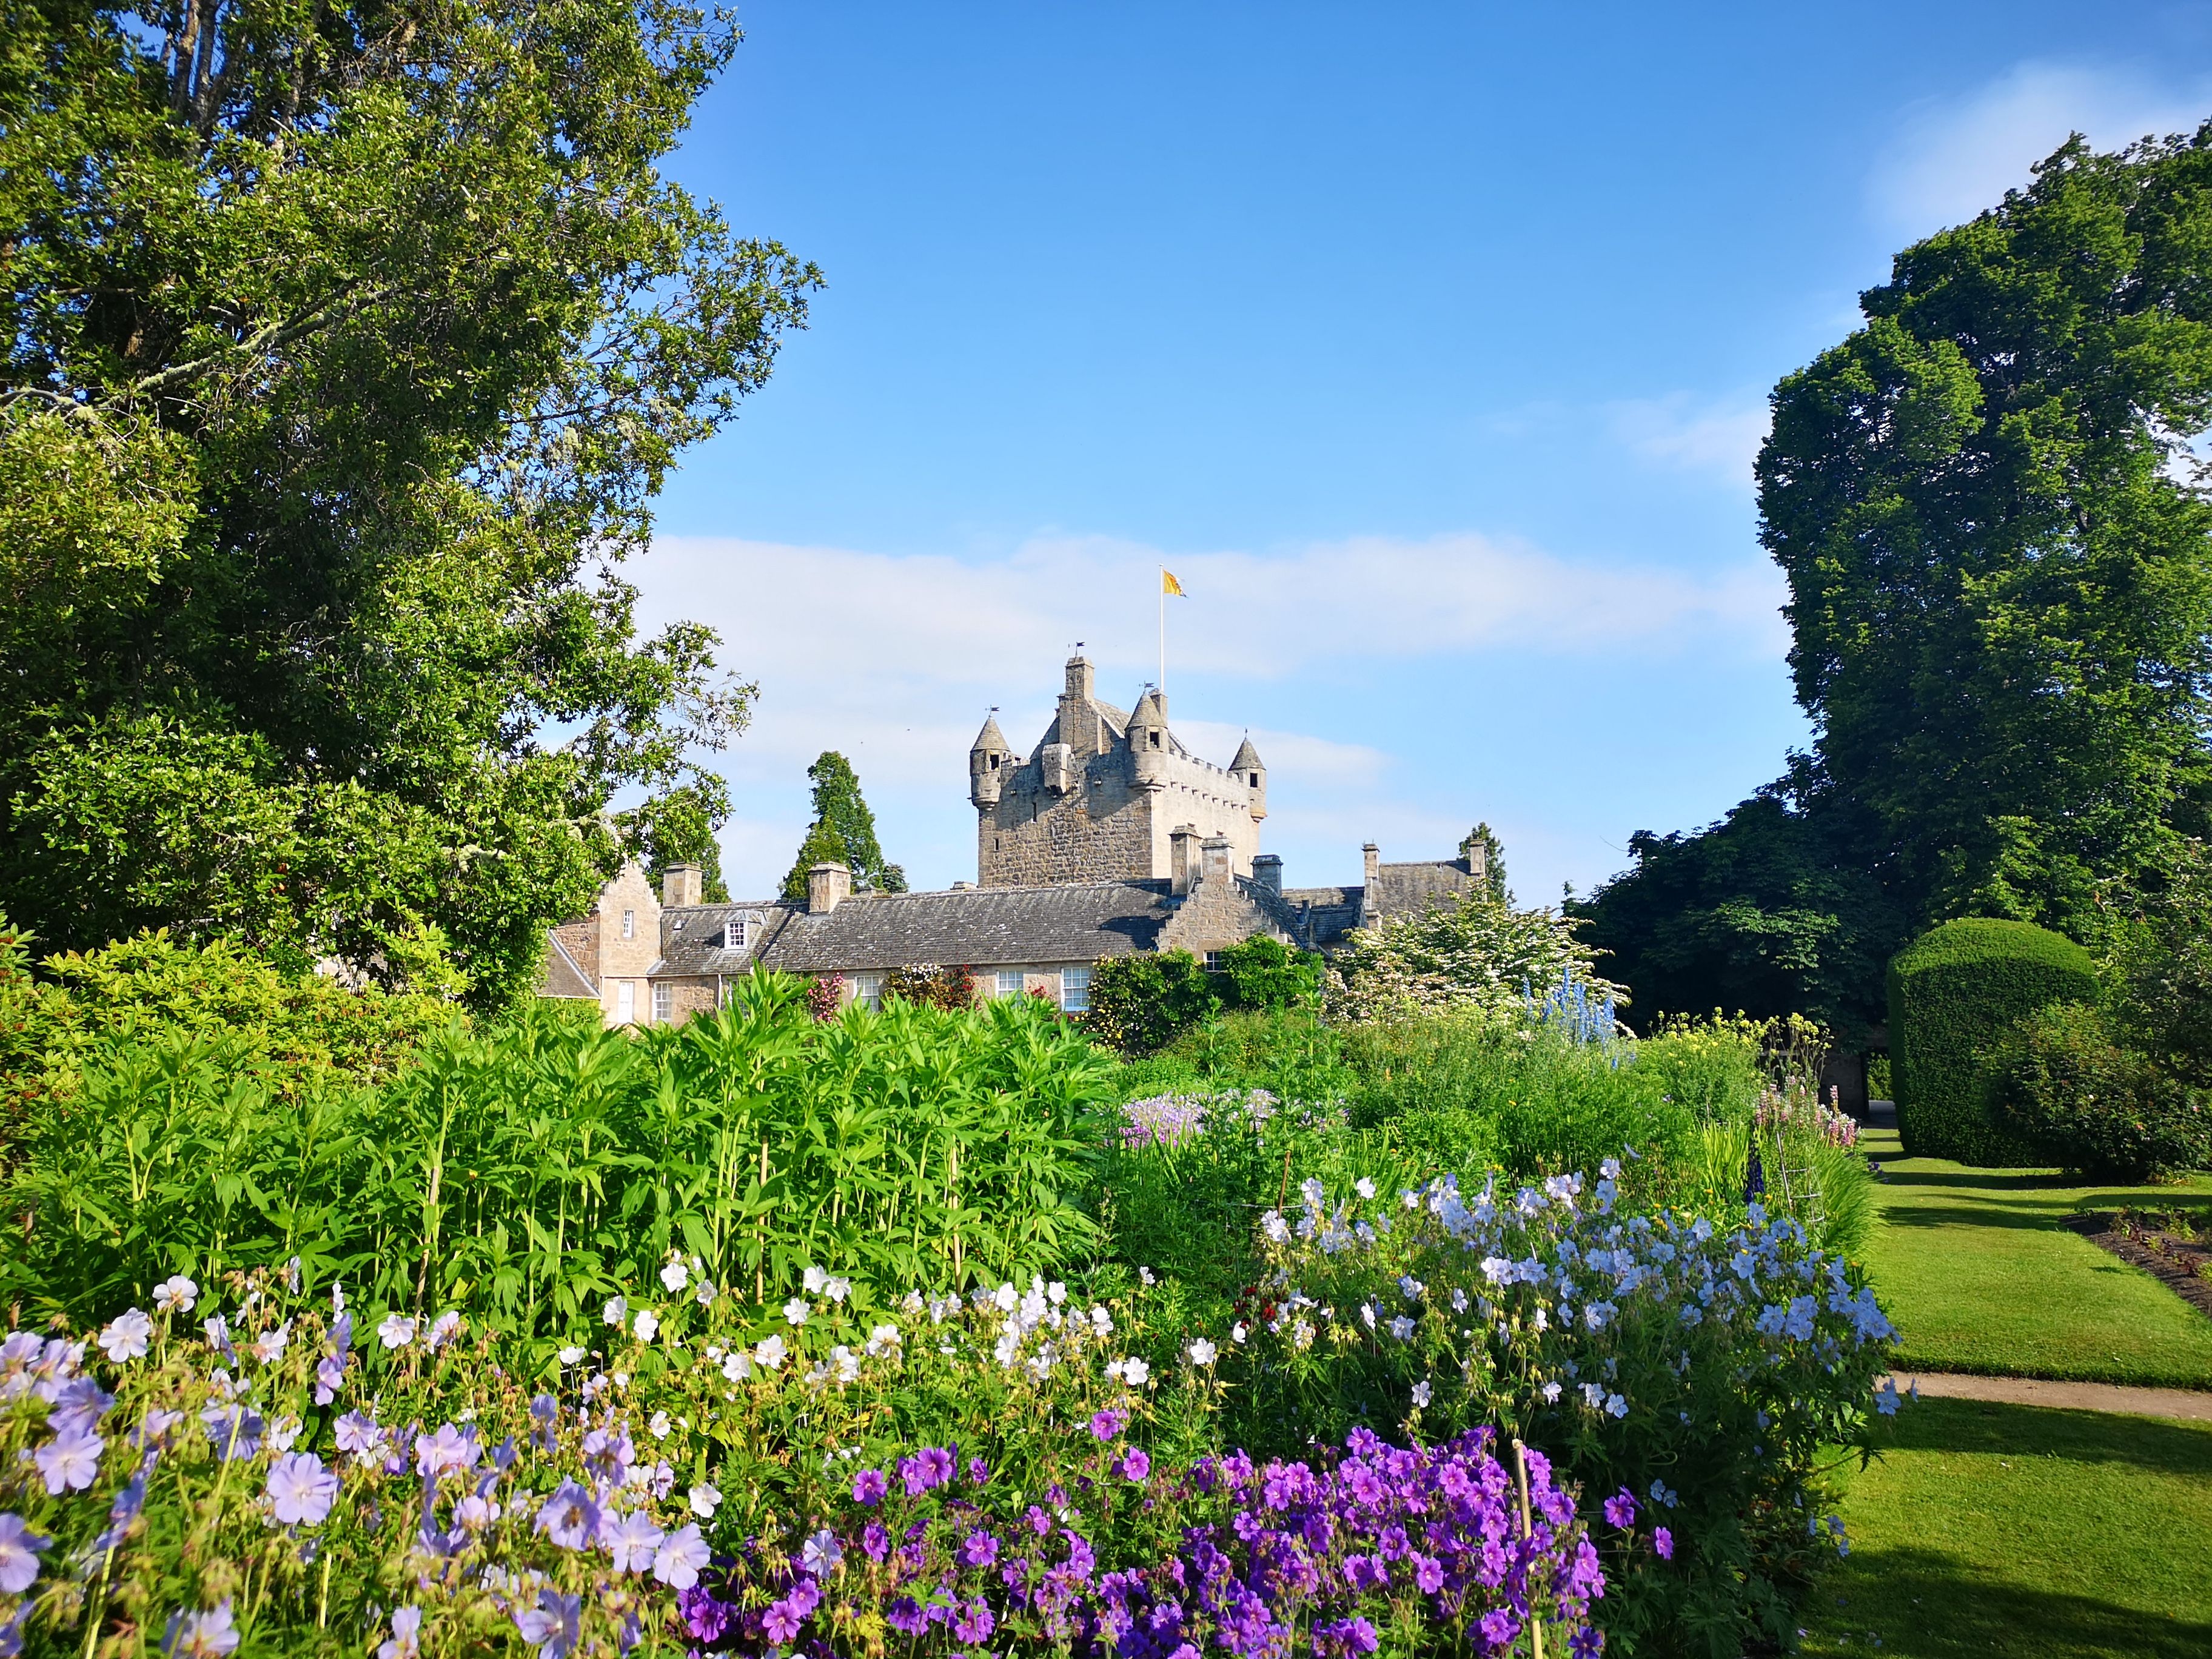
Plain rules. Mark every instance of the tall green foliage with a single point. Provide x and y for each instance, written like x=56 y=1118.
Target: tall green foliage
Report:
x=843 y=832
x=2000 y=569
x=521 y=1174
x=1954 y=996
x=349 y=345
x=1477 y=952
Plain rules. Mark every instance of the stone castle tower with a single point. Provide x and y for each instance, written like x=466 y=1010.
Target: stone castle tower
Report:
x=1110 y=797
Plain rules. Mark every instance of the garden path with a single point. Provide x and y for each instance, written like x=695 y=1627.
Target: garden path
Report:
x=2183 y=1404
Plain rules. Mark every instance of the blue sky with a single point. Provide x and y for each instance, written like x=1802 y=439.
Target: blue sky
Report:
x=1428 y=345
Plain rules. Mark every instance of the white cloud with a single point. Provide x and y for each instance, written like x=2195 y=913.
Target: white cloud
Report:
x=1719 y=437
x=1956 y=156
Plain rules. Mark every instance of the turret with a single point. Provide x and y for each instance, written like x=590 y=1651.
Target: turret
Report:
x=987 y=763
x=1148 y=740
x=1253 y=775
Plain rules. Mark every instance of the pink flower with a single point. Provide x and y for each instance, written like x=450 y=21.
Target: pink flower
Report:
x=1663 y=1541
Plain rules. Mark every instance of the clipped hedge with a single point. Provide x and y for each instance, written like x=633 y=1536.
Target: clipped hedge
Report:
x=1954 y=992
x=2064 y=1085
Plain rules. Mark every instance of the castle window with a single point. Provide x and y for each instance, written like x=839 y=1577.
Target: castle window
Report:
x=629 y=924
x=1213 y=962
x=1255 y=780
x=664 y=1004
x=1074 y=990
x=1155 y=738
x=994 y=762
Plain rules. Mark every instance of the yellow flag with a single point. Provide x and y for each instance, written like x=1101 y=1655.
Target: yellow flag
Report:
x=1169 y=584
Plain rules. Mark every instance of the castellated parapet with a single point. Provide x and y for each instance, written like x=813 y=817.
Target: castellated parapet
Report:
x=1104 y=793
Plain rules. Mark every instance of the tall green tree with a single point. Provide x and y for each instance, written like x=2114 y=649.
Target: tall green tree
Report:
x=1999 y=551
x=350 y=344
x=843 y=832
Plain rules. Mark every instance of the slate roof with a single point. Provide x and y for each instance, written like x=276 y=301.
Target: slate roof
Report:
x=564 y=975
x=974 y=927
x=686 y=933
x=1325 y=915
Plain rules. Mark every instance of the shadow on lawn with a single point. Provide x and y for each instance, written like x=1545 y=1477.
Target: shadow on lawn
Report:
x=1981 y=1427
x=1913 y=1215
x=1934 y=1612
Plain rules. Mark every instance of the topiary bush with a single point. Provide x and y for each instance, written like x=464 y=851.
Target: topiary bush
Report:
x=2060 y=1084
x=1954 y=992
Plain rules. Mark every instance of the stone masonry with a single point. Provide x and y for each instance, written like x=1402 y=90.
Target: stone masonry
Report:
x=1104 y=794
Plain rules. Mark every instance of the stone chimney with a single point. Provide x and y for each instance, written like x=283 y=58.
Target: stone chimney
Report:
x=828 y=886
x=1478 y=860
x=1373 y=856
x=1182 y=857
x=1215 y=856
x=1268 y=871
x=682 y=883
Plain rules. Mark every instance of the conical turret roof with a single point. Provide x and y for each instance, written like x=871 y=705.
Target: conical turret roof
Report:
x=990 y=738
x=1247 y=759
x=1151 y=710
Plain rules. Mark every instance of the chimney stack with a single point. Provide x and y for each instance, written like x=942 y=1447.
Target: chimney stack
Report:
x=1268 y=871
x=1216 y=854
x=1373 y=854
x=828 y=886
x=682 y=883
x=1183 y=858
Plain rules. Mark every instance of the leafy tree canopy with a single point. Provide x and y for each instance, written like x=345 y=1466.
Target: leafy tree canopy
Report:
x=843 y=832
x=1999 y=552
x=351 y=343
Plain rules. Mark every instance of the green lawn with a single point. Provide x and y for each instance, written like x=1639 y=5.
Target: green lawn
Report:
x=1980 y=1276
x=2023 y=1531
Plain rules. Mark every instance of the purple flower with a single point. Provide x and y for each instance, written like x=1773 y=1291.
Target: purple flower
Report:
x=1104 y=1425
x=68 y=1463
x=207 y=1635
x=448 y=1448
x=329 y=1377
x=869 y=1486
x=569 y=1517
x=632 y=1540
x=301 y=1490
x=19 y=1549
x=979 y=1550
x=930 y=1467
x=682 y=1556
x=782 y=1621
x=1620 y=1509
x=554 y=1625
x=1499 y=1627
x=875 y=1541
x=974 y=1622
x=979 y=1472
x=904 y=1615
x=1663 y=1541
x=1428 y=1574
x=1135 y=1465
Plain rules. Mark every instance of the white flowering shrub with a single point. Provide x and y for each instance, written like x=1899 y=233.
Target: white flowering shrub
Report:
x=1694 y=1373
x=1477 y=954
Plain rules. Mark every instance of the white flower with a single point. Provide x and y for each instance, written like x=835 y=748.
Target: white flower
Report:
x=175 y=1294
x=1302 y=1334
x=659 y=1426
x=1134 y=1371
x=1101 y=1322
x=1422 y=1393
x=770 y=1353
x=815 y=1280
x=738 y=1366
x=445 y=1329
x=396 y=1331
x=1145 y=1274
x=705 y=1294
x=648 y=1325
x=675 y=1275
x=1239 y=1331
x=126 y=1337
x=1203 y=1352
x=702 y=1500
x=269 y=1346
x=1364 y=1187
x=1006 y=1298
x=1055 y=1293
x=569 y=1356
x=795 y=1311
x=617 y=1312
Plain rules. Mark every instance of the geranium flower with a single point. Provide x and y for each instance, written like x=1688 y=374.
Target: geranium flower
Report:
x=1663 y=1541
x=127 y=1337
x=682 y=1557
x=569 y=1516
x=932 y=1466
x=770 y=1353
x=617 y=1312
x=396 y=1330
x=68 y=1463
x=632 y=1540
x=301 y=1490
x=449 y=1449
x=19 y=1549
x=648 y=1325
x=406 y=1635
x=207 y=1635
x=869 y=1486
x=795 y=1311
x=175 y=1294
x=1620 y=1509
x=1203 y=1352
x=674 y=1275
x=447 y=1326
x=554 y=1625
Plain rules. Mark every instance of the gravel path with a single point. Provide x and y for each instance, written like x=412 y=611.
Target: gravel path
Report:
x=2185 y=1404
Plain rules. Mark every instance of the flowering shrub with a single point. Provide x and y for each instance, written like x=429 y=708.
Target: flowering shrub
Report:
x=1421 y=1548
x=1478 y=953
x=261 y=1476
x=1694 y=1371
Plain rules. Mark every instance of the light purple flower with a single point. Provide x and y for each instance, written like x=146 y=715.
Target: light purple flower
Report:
x=1663 y=1541
x=449 y=1449
x=207 y=1635
x=301 y=1490
x=19 y=1549
x=569 y=1516
x=680 y=1559
x=406 y=1635
x=396 y=1330
x=554 y=1625
x=632 y=1540
x=127 y=1338
x=822 y=1553
x=69 y=1463
x=175 y=1294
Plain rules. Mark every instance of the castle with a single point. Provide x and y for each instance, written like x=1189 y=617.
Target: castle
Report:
x=1109 y=838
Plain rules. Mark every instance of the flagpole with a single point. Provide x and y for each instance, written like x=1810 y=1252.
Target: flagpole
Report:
x=1163 y=633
